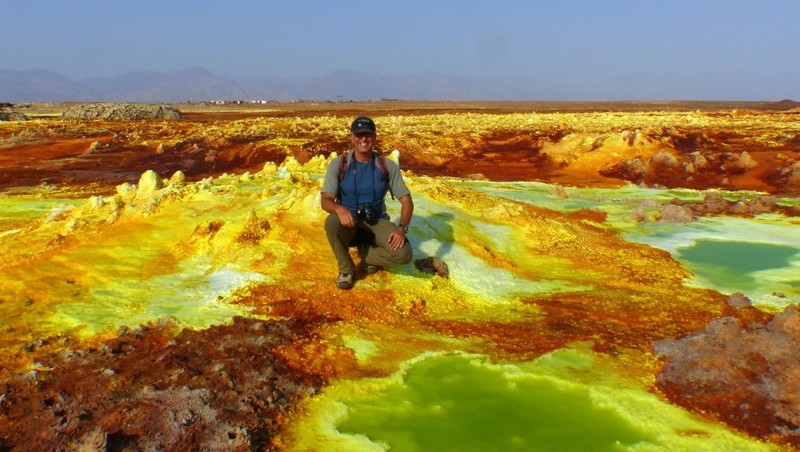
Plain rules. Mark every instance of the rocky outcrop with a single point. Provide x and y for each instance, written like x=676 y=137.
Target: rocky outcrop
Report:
x=679 y=211
x=737 y=163
x=745 y=375
x=676 y=214
x=8 y=113
x=254 y=229
x=433 y=266
x=222 y=388
x=788 y=176
x=665 y=167
x=694 y=150
x=125 y=112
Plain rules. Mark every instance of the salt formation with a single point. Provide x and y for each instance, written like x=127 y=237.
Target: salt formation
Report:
x=149 y=183
x=126 y=192
x=178 y=179
x=58 y=213
x=269 y=169
x=92 y=148
x=146 y=192
x=254 y=229
x=144 y=198
x=291 y=164
x=395 y=156
x=317 y=164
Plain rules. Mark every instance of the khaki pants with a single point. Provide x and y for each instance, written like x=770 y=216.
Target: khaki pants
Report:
x=372 y=242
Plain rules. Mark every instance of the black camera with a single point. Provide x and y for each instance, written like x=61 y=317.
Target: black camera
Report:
x=367 y=214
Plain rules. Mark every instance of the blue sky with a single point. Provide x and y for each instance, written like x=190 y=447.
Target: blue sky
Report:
x=739 y=49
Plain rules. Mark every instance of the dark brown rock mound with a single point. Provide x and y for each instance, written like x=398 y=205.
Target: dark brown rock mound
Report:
x=125 y=112
x=788 y=175
x=7 y=113
x=223 y=388
x=433 y=266
x=745 y=375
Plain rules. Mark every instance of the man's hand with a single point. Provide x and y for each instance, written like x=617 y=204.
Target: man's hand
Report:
x=329 y=204
x=345 y=217
x=397 y=239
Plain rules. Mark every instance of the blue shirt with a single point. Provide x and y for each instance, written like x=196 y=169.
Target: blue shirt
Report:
x=363 y=184
x=356 y=186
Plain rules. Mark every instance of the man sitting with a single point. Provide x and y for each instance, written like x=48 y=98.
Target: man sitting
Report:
x=354 y=192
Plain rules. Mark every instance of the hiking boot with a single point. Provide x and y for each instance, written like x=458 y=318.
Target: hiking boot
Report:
x=344 y=281
x=369 y=269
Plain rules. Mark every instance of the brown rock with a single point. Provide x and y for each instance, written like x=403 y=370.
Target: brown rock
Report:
x=676 y=214
x=433 y=265
x=739 y=300
x=744 y=375
x=664 y=159
x=123 y=112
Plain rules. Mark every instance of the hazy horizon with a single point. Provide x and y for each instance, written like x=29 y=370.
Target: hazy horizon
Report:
x=580 y=50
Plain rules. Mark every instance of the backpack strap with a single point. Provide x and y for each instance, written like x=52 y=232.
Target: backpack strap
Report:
x=384 y=172
x=343 y=165
x=343 y=161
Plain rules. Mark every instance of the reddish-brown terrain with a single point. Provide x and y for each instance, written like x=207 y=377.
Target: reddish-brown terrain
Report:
x=703 y=142
x=233 y=386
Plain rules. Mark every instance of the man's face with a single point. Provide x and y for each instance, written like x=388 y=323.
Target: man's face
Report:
x=363 y=142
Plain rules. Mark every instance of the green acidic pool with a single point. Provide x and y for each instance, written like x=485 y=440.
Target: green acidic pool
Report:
x=733 y=264
x=451 y=403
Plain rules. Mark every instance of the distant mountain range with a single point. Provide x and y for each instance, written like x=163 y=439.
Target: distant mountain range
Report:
x=197 y=84
x=39 y=85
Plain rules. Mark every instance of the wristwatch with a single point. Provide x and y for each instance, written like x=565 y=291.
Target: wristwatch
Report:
x=404 y=226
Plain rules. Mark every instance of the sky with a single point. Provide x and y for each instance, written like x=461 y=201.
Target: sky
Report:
x=746 y=50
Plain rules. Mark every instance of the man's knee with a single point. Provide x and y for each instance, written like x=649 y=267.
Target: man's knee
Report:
x=332 y=223
x=404 y=254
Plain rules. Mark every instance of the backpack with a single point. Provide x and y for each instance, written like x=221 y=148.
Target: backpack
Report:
x=380 y=158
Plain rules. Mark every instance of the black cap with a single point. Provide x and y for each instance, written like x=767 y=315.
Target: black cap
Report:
x=362 y=124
